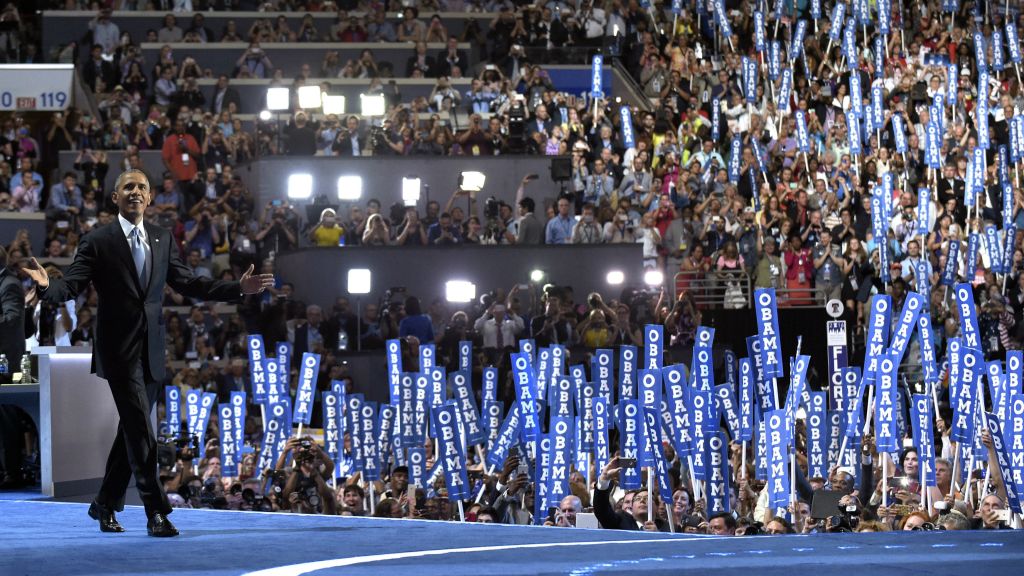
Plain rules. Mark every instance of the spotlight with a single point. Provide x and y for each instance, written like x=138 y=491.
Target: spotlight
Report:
x=459 y=291
x=277 y=98
x=654 y=278
x=359 y=281
x=615 y=277
x=300 y=186
x=372 y=104
x=537 y=276
x=309 y=97
x=472 y=181
x=266 y=115
x=350 y=188
x=410 y=190
x=333 y=104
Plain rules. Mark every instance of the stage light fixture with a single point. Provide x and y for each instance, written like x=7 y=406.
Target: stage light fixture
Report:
x=350 y=188
x=266 y=115
x=472 y=181
x=278 y=98
x=372 y=104
x=309 y=97
x=654 y=278
x=359 y=281
x=537 y=276
x=410 y=190
x=333 y=104
x=459 y=291
x=615 y=277
x=300 y=186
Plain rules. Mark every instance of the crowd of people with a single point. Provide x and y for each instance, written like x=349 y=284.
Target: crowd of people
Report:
x=800 y=222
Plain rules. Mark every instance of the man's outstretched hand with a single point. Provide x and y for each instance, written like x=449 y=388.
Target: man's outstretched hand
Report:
x=251 y=284
x=37 y=273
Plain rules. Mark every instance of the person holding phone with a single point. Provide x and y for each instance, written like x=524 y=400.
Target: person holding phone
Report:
x=636 y=519
x=129 y=262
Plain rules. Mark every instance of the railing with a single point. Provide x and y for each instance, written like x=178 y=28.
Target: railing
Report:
x=724 y=289
x=733 y=289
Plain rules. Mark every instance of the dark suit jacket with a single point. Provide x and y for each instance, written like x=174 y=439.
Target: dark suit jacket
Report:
x=12 y=318
x=613 y=520
x=411 y=64
x=444 y=67
x=230 y=95
x=128 y=311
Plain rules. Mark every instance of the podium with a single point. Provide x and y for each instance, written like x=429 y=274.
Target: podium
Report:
x=77 y=421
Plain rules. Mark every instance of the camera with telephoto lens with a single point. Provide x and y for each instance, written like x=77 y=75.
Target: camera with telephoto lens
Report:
x=311 y=497
x=492 y=207
x=170 y=448
x=846 y=520
x=305 y=451
x=277 y=478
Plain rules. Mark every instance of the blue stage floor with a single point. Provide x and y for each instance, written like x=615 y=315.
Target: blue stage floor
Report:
x=41 y=538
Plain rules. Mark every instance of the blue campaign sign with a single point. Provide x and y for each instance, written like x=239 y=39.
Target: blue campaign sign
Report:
x=979 y=51
x=417 y=466
x=465 y=355
x=924 y=204
x=428 y=357
x=492 y=415
x=854 y=384
x=850 y=44
x=729 y=364
x=884 y=16
x=913 y=306
x=228 y=448
x=703 y=376
x=746 y=400
x=677 y=7
x=817 y=435
x=508 y=433
x=774 y=60
x=949 y=271
x=964 y=296
x=354 y=428
x=276 y=428
x=723 y=23
x=676 y=390
x=586 y=419
x=877 y=106
x=835 y=436
x=1014 y=370
x=626 y=125
x=952 y=77
x=981 y=119
x=768 y=330
x=933 y=142
x=597 y=76
x=627 y=372
x=631 y=439
x=462 y=391
x=393 y=355
x=856 y=96
x=422 y=423
x=258 y=378
x=436 y=390
x=717 y=474
x=796 y=45
x=971 y=260
x=966 y=396
x=928 y=353
x=528 y=347
x=761 y=458
x=785 y=90
x=837 y=346
x=1005 y=456
x=750 y=79
x=172 y=410
x=759 y=31
x=803 y=138
x=526 y=394
x=1014 y=438
x=452 y=456
x=716 y=119
x=815 y=9
x=407 y=412
x=995 y=249
x=192 y=400
x=561 y=437
x=332 y=424
x=797 y=384
x=601 y=368
x=998 y=59
x=885 y=404
x=661 y=464
x=238 y=408
x=762 y=382
x=654 y=344
x=725 y=398
x=304 y=398
x=1012 y=41
x=284 y=360
x=778 y=462
x=879 y=319
x=853 y=131
x=370 y=450
x=602 y=422
x=650 y=388
x=735 y=154
x=543 y=371
x=999 y=392
x=490 y=384
x=836 y=21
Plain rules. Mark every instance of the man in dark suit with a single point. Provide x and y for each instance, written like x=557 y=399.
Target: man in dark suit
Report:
x=351 y=141
x=450 y=58
x=224 y=95
x=620 y=520
x=96 y=68
x=12 y=320
x=129 y=263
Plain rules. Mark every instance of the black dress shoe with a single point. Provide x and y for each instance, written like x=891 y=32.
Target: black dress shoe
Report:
x=108 y=523
x=160 y=527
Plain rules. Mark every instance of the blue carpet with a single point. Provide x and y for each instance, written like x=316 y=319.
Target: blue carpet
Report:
x=22 y=494
x=41 y=538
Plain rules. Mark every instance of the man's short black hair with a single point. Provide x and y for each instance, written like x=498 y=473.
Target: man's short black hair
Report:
x=400 y=469
x=527 y=204
x=354 y=488
x=730 y=520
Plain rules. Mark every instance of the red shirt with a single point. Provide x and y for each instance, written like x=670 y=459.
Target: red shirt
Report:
x=175 y=146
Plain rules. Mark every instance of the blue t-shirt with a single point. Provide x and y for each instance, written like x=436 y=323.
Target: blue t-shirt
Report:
x=418 y=326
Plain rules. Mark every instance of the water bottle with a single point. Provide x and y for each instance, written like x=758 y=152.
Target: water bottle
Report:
x=26 y=368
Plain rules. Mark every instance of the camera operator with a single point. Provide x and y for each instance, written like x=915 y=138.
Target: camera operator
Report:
x=385 y=141
x=306 y=491
x=277 y=231
x=351 y=140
